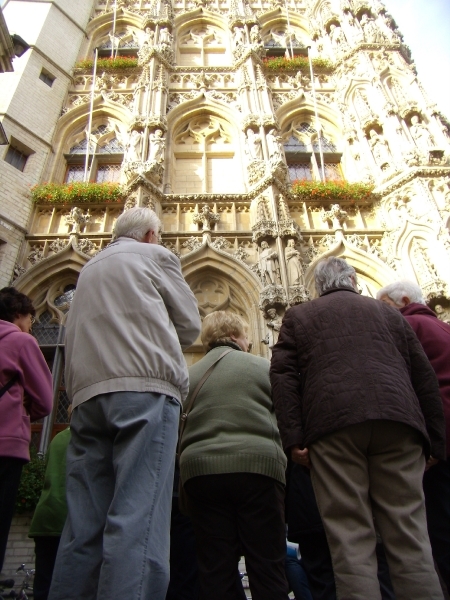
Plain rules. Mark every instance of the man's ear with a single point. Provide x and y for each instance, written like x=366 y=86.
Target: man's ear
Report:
x=148 y=237
x=406 y=301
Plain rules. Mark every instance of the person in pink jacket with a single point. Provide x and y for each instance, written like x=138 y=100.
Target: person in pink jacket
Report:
x=25 y=395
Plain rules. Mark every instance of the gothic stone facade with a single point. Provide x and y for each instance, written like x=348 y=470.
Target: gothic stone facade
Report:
x=205 y=131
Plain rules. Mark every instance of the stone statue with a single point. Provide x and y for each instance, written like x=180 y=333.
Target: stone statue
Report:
x=371 y=32
x=255 y=36
x=335 y=216
x=274 y=325
x=149 y=37
x=268 y=265
x=380 y=149
x=421 y=135
x=274 y=147
x=262 y=213
x=134 y=147
x=165 y=37
x=337 y=37
x=157 y=146
x=238 y=36
x=77 y=219
x=293 y=264
x=253 y=146
x=442 y=314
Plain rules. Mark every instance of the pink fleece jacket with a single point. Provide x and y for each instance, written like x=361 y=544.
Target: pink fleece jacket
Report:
x=31 y=396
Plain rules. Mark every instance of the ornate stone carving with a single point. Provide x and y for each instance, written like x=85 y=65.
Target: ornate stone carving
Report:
x=77 y=219
x=241 y=254
x=298 y=294
x=442 y=313
x=335 y=216
x=18 y=271
x=86 y=246
x=58 y=245
x=192 y=243
x=206 y=218
x=36 y=255
x=221 y=243
x=171 y=246
x=272 y=296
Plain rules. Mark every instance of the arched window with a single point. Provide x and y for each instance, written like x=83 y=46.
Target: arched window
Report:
x=302 y=151
x=205 y=159
x=105 y=156
x=202 y=45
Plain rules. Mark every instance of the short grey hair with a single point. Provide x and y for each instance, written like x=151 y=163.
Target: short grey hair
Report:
x=136 y=222
x=334 y=273
x=401 y=289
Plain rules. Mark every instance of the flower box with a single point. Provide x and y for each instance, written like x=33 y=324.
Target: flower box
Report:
x=333 y=191
x=77 y=193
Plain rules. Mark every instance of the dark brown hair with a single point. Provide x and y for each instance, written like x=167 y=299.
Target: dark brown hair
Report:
x=13 y=303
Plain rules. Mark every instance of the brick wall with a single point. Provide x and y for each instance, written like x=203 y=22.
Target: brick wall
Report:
x=20 y=548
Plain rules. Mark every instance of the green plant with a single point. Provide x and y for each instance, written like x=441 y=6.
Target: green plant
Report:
x=332 y=191
x=298 y=63
x=109 y=64
x=77 y=192
x=31 y=483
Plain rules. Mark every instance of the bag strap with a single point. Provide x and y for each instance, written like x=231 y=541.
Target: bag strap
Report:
x=188 y=408
x=10 y=383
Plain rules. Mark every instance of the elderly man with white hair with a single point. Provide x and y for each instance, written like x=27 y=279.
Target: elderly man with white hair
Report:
x=434 y=335
x=132 y=315
x=358 y=402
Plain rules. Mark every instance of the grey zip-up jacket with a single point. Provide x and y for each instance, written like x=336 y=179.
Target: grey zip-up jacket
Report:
x=131 y=316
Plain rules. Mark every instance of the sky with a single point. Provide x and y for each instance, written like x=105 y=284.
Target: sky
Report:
x=426 y=27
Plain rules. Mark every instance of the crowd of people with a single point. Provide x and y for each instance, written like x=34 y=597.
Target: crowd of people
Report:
x=339 y=442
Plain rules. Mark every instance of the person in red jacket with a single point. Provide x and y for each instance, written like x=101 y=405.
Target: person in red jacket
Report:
x=25 y=395
x=434 y=335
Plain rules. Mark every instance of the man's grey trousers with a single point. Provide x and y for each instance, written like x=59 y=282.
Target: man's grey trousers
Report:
x=120 y=463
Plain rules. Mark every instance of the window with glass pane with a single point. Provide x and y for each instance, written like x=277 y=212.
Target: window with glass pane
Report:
x=75 y=173
x=300 y=171
x=108 y=173
x=332 y=172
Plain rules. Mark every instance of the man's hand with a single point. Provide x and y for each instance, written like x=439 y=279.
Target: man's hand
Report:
x=301 y=457
x=430 y=463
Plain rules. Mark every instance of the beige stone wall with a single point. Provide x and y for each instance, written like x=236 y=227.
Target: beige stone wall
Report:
x=29 y=108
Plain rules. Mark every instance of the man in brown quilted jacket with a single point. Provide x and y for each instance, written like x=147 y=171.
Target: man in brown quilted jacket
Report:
x=358 y=403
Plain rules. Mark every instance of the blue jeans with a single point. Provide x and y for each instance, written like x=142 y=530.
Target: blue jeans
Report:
x=120 y=461
x=297 y=578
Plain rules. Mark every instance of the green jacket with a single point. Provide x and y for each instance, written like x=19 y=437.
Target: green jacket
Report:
x=232 y=426
x=51 y=510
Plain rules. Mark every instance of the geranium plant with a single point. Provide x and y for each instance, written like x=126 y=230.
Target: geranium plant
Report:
x=332 y=191
x=77 y=192
x=109 y=64
x=298 y=63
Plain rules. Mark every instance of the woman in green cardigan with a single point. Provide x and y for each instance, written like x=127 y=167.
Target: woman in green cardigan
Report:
x=233 y=467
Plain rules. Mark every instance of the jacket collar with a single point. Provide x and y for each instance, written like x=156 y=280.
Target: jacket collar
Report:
x=414 y=308
x=229 y=344
x=339 y=289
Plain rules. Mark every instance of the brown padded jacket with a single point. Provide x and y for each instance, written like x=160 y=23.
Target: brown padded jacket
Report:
x=343 y=359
